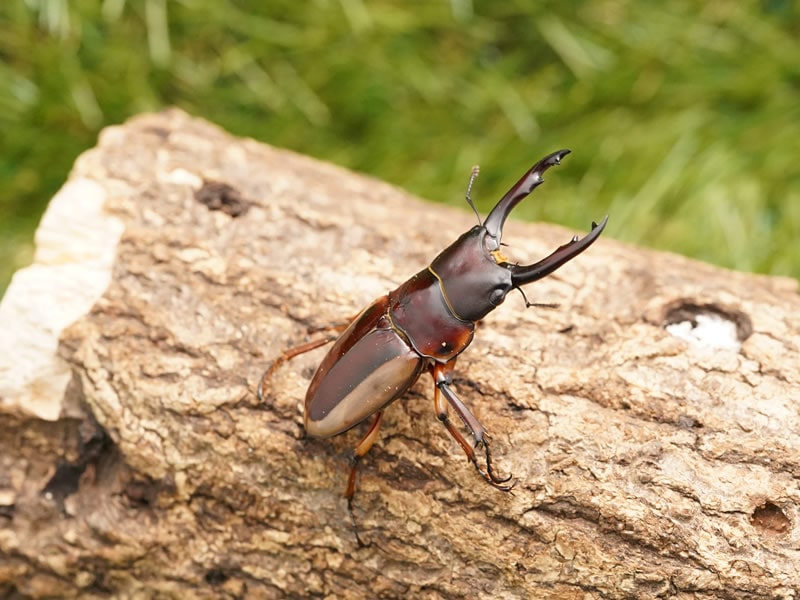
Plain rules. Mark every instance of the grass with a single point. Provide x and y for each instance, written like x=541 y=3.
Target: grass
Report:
x=684 y=118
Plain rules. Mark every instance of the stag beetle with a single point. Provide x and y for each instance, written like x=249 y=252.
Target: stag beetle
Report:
x=423 y=326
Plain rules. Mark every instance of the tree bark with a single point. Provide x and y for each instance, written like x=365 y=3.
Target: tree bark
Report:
x=650 y=421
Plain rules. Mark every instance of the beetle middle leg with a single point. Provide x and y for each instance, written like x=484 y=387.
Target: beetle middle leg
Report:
x=332 y=333
x=442 y=378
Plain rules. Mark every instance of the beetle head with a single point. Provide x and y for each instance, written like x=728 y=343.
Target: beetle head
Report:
x=476 y=277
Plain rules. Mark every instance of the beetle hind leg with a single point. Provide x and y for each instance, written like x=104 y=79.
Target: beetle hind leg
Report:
x=363 y=447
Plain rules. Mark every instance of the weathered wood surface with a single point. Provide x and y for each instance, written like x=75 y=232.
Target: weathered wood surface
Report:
x=135 y=460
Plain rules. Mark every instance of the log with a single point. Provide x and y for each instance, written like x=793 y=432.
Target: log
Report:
x=650 y=420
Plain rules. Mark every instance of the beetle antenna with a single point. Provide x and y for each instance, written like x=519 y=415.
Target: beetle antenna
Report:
x=537 y=304
x=473 y=176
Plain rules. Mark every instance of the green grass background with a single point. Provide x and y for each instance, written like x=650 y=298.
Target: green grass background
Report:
x=683 y=117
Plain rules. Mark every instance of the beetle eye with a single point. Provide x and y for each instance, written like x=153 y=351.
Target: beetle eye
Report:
x=497 y=296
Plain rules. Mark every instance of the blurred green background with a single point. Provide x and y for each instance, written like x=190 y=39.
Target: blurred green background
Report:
x=683 y=117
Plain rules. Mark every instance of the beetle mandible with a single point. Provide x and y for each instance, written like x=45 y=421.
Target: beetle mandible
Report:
x=424 y=325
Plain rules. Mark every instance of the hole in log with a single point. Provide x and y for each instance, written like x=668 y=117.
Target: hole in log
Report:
x=708 y=325
x=140 y=493
x=94 y=445
x=64 y=481
x=220 y=196
x=770 y=519
x=216 y=577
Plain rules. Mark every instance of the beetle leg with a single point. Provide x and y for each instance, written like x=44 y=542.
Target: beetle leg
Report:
x=333 y=332
x=363 y=447
x=442 y=379
x=289 y=355
x=336 y=327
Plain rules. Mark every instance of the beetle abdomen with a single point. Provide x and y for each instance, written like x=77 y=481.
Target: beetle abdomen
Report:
x=369 y=366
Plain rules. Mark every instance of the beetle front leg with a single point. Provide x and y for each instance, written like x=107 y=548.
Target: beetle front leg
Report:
x=442 y=378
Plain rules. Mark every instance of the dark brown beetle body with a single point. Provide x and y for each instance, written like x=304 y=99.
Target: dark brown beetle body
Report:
x=424 y=325
x=382 y=353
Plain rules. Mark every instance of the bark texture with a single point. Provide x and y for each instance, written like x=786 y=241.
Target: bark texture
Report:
x=651 y=420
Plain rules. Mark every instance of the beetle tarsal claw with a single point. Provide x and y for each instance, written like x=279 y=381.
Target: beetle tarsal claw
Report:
x=260 y=391
x=495 y=479
x=501 y=483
